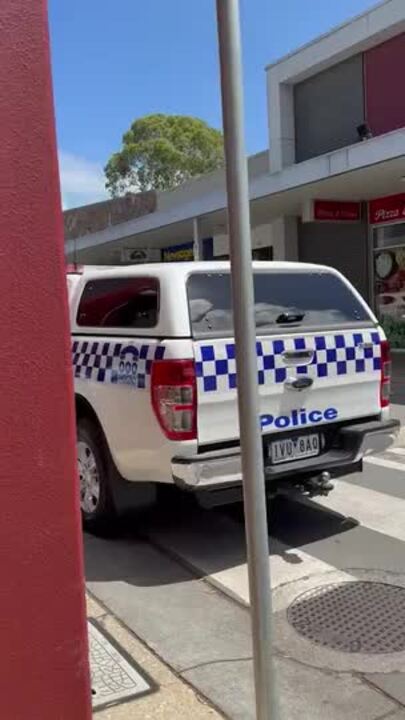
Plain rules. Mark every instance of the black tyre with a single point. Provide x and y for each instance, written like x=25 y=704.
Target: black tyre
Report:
x=94 y=468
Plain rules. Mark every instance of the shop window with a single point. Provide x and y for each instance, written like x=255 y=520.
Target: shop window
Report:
x=119 y=303
x=389 y=281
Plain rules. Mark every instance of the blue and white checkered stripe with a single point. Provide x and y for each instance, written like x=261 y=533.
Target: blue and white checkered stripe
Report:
x=123 y=362
x=334 y=356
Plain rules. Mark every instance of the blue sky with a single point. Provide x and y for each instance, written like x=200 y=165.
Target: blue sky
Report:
x=114 y=62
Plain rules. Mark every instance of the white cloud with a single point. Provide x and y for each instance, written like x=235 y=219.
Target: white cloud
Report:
x=82 y=181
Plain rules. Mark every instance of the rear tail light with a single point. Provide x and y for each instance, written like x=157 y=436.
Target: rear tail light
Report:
x=385 y=385
x=174 y=398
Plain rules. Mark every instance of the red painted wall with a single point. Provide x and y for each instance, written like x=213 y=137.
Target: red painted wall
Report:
x=43 y=646
x=383 y=76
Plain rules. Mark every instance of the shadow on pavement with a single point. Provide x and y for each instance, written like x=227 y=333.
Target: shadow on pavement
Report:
x=302 y=523
x=127 y=557
x=142 y=554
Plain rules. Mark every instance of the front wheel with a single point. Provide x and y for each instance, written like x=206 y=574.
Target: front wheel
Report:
x=96 y=500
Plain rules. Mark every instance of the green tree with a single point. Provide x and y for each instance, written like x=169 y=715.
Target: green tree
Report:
x=161 y=151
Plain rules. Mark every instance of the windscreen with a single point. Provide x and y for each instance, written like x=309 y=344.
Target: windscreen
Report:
x=283 y=300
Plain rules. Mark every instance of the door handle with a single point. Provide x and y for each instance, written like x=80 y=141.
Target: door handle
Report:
x=298 y=357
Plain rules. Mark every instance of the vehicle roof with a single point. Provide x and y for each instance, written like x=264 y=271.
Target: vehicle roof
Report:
x=178 y=270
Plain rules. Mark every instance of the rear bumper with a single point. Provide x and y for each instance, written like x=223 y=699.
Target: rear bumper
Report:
x=222 y=469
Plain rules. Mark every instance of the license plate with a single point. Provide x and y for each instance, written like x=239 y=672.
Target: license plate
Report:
x=294 y=448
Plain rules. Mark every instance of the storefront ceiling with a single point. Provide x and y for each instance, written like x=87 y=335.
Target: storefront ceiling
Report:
x=362 y=184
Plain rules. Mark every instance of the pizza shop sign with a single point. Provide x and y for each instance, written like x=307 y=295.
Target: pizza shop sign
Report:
x=336 y=211
x=386 y=210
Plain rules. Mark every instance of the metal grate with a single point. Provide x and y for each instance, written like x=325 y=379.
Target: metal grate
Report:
x=114 y=678
x=353 y=617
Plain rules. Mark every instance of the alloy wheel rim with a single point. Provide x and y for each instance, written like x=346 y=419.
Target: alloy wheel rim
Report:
x=89 y=478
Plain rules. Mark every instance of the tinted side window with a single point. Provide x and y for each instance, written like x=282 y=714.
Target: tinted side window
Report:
x=119 y=303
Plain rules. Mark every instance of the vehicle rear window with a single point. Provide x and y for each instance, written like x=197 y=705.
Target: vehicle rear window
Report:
x=119 y=303
x=282 y=301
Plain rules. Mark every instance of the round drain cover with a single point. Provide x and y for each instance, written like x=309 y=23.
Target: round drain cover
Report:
x=353 y=617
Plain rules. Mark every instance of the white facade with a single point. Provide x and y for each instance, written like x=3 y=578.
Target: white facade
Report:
x=380 y=23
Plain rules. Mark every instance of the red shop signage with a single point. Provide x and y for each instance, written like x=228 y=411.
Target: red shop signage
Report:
x=336 y=211
x=387 y=209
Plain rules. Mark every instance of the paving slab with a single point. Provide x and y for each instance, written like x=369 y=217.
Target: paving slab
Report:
x=305 y=693
x=184 y=619
x=393 y=684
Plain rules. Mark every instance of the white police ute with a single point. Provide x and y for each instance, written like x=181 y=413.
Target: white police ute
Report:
x=155 y=380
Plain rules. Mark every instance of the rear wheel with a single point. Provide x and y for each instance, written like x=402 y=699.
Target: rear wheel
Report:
x=96 y=499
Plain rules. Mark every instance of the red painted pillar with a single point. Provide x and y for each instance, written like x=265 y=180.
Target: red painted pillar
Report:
x=43 y=646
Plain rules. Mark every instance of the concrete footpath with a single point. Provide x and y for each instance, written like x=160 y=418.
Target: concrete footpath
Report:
x=170 y=698
x=205 y=637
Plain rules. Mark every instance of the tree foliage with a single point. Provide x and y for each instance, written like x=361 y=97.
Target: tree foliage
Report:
x=161 y=151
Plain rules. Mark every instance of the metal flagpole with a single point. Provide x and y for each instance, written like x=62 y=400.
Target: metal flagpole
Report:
x=246 y=357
